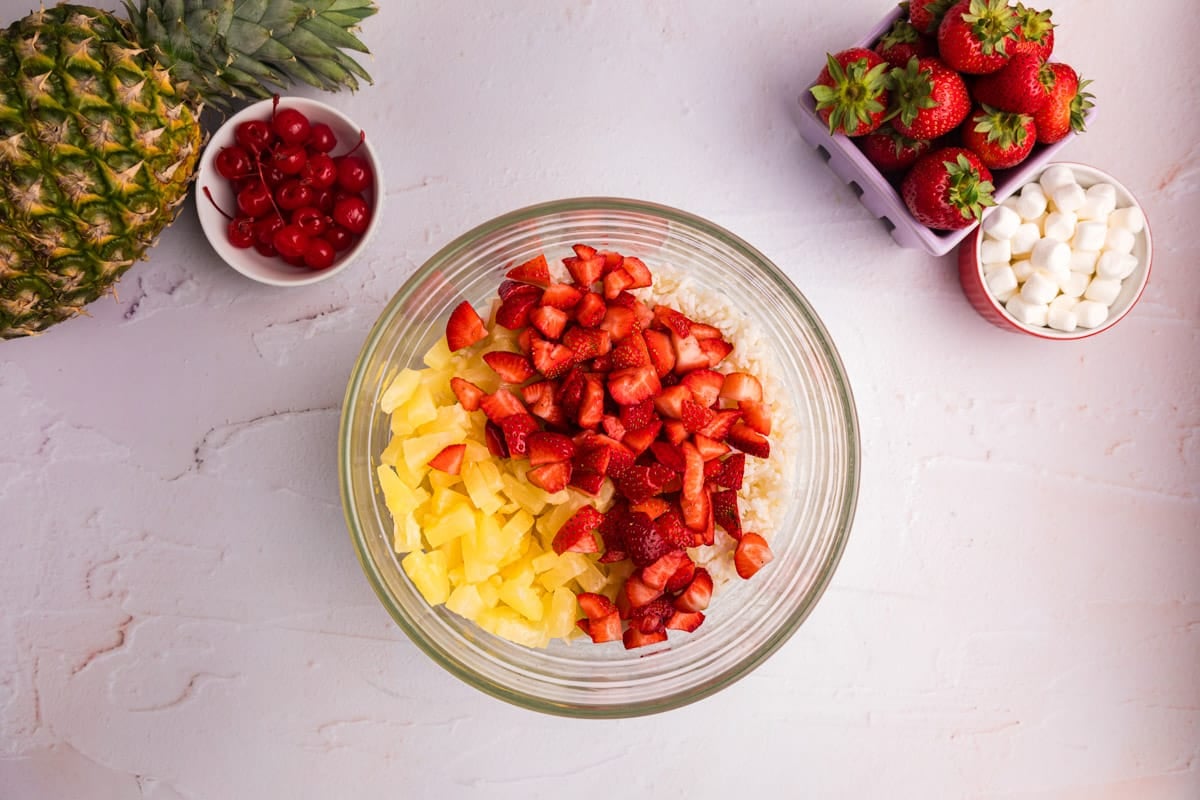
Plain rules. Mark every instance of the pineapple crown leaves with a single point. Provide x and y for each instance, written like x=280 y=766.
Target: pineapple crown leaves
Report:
x=1035 y=25
x=225 y=49
x=966 y=189
x=855 y=94
x=994 y=23
x=1081 y=104
x=1003 y=128
x=912 y=90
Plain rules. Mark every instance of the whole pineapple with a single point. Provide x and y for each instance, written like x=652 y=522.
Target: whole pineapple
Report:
x=100 y=130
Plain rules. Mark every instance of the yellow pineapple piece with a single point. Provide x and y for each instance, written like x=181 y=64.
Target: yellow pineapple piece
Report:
x=419 y=450
x=415 y=412
x=438 y=356
x=569 y=565
x=427 y=571
x=400 y=498
x=400 y=390
x=523 y=598
x=479 y=488
x=406 y=533
x=457 y=519
x=591 y=579
x=489 y=592
x=509 y=624
x=448 y=418
x=561 y=611
x=466 y=601
x=545 y=561
x=439 y=480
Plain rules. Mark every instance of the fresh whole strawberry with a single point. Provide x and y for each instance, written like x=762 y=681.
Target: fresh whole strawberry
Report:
x=929 y=98
x=1023 y=85
x=1035 y=33
x=902 y=42
x=948 y=188
x=1001 y=139
x=926 y=15
x=975 y=34
x=891 y=151
x=1067 y=107
x=851 y=91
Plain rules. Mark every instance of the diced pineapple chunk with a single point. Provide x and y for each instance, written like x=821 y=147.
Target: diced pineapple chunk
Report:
x=439 y=355
x=479 y=489
x=561 y=611
x=489 y=592
x=525 y=495
x=427 y=571
x=569 y=565
x=456 y=520
x=406 y=533
x=400 y=498
x=591 y=578
x=399 y=390
x=508 y=624
x=418 y=450
x=545 y=561
x=466 y=601
x=418 y=410
x=523 y=598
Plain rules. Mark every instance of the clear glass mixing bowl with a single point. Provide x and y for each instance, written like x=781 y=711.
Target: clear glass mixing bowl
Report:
x=748 y=620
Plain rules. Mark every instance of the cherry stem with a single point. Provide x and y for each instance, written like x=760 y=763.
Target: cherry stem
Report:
x=362 y=137
x=222 y=211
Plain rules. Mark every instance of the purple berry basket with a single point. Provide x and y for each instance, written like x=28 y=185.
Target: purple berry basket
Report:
x=881 y=195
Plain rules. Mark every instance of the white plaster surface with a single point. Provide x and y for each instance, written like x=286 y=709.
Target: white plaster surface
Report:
x=1017 y=614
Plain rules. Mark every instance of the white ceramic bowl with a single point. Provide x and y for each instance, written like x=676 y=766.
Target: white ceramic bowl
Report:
x=971 y=267
x=272 y=270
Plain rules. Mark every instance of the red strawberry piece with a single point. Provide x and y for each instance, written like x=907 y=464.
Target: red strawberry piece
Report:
x=948 y=188
x=612 y=260
x=591 y=405
x=891 y=151
x=652 y=616
x=550 y=321
x=756 y=416
x=668 y=455
x=631 y=352
x=652 y=507
x=590 y=310
x=974 y=35
x=619 y=322
x=562 y=296
x=570 y=391
x=595 y=605
x=672 y=530
x=517 y=428
x=725 y=512
x=1001 y=139
x=1035 y=33
x=587 y=481
x=526 y=338
x=637 y=592
x=500 y=404
x=931 y=99
x=535 y=392
x=706 y=385
x=851 y=91
x=638 y=271
x=551 y=359
x=689 y=355
x=704 y=331
x=584 y=271
x=511 y=367
x=672 y=320
x=535 y=270
x=638 y=415
x=1067 y=108
x=751 y=554
x=709 y=448
x=550 y=477
x=631 y=386
x=507 y=288
x=715 y=350
x=613 y=426
x=619 y=457
x=546 y=447
x=450 y=459
x=641 y=313
x=674 y=431
x=1023 y=85
x=602 y=363
x=615 y=282
x=722 y=422
x=656 y=574
x=603 y=629
x=697 y=594
x=693 y=475
x=685 y=621
x=587 y=343
x=902 y=42
x=468 y=394
x=749 y=441
x=638 y=482
x=577 y=534
x=926 y=15
x=731 y=472
x=660 y=351
x=634 y=638
x=584 y=250
x=465 y=327
x=670 y=402
x=739 y=386
x=695 y=416
x=495 y=440
x=515 y=309
x=639 y=439
x=682 y=576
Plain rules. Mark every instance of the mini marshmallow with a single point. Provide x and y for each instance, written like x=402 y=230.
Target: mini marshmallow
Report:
x=1055 y=177
x=1069 y=197
x=1084 y=261
x=1027 y=313
x=1050 y=254
x=1089 y=235
x=1130 y=218
x=1060 y=225
x=1001 y=282
x=995 y=250
x=1063 y=303
x=1105 y=196
x=1103 y=290
x=1040 y=288
x=1074 y=286
x=1031 y=205
x=1119 y=239
x=1092 y=208
x=1114 y=265
x=1026 y=236
x=1062 y=320
x=1001 y=222
x=1022 y=269
x=1089 y=313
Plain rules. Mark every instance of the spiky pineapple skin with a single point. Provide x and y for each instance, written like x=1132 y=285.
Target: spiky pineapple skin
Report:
x=97 y=147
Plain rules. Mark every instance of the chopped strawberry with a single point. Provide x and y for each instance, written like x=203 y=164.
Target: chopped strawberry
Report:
x=468 y=394
x=517 y=428
x=608 y=456
x=538 y=390
x=652 y=616
x=511 y=367
x=587 y=343
x=590 y=310
x=749 y=441
x=615 y=282
x=730 y=474
x=740 y=386
x=638 y=415
x=641 y=312
x=546 y=447
x=514 y=310
x=465 y=327
x=535 y=270
x=697 y=594
x=450 y=459
x=639 y=482
x=631 y=386
x=495 y=440
x=602 y=629
x=693 y=474
x=683 y=621
x=652 y=507
x=668 y=455
x=682 y=576
x=613 y=426
x=638 y=271
x=725 y=512
x=662 y=354
x=584 y=250
x=631 y=352
x=584 y=271
x=674 y=432
x=587 y=481
x=591 y=405
x=550 y=477
x=551 y=359
x=619 y=322
x=702 y=331
x=611 y=260
x=722 y=422
x=672 y=530
x=562 y=296
x=639 y=439
x=637 y=593
x=602 y=363
x=695 y=416
x=688 y=355
x=656 y=574
x=570 y=391
x=549 y=320
x=669 y=402
x=705 y=385
x=697 y=515
x=500 y=404
x=595 y=605
x=756 y=416
x=577 y=534
x=709 y=448
x=507 y=288
x=715 y=350
x=751 y=554
x=672 y=320
x=633 y=638
x=525 y=340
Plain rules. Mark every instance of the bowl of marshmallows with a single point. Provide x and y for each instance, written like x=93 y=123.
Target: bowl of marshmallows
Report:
x=1064 y=257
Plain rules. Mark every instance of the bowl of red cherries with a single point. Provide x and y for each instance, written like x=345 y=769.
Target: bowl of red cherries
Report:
x=287 y=191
